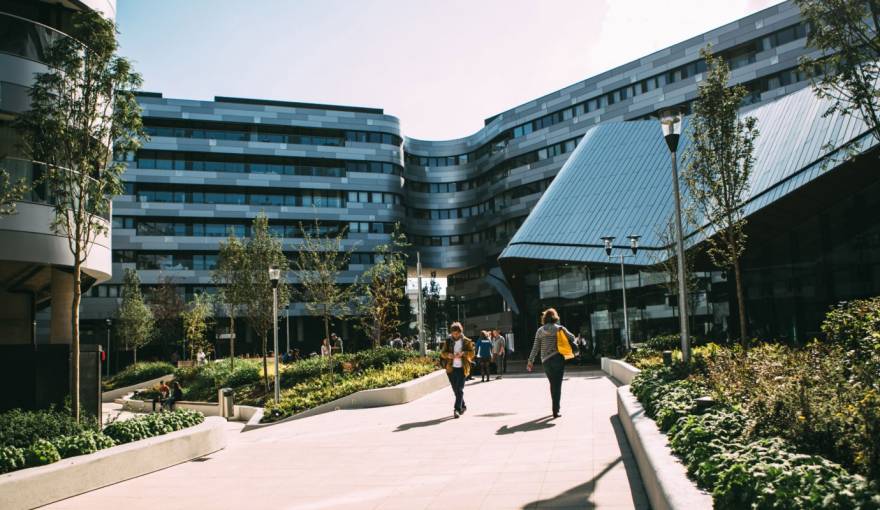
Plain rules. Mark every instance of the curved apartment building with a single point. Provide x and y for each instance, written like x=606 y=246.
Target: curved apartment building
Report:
x=211 y=166
x=35 y=261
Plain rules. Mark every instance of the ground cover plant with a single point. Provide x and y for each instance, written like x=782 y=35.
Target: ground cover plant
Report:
x=792 y=427
x=320 y=390
x=137 y=373
x=37 y=438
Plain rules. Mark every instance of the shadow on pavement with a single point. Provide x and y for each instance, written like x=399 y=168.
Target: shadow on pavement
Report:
x=529 y=426
x=640 y=498
x=577 y=496
x=420 y=424
x=494 y=415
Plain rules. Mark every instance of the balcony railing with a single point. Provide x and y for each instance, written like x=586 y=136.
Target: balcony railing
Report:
x=26 y=38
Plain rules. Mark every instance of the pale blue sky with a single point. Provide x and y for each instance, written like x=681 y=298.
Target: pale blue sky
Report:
x=440 y=66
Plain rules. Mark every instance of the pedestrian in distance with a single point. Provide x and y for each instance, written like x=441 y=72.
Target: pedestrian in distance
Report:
x=553 y=343
x=484 y=354
x=498 y=351
x=176 y=396
x=325 y=347
x=456 y=357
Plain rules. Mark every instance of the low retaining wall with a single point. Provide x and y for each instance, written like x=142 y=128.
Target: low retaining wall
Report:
x=242 y=413
x=619 y=370
x=42 y=485
x=112 y=395
x=663 y=475
x=379 y=397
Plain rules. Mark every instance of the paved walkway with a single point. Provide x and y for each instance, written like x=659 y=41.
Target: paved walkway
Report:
x=506 y=452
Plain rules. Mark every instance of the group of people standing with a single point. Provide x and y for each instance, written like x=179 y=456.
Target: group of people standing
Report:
x=552 y=342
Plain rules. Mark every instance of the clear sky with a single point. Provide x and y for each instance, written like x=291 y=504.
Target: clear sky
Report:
x=441 y=66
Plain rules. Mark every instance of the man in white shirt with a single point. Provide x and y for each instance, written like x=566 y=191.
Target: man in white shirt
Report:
x=456 y=357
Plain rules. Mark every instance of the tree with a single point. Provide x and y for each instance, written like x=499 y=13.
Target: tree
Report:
x=79 y=107
x=10 y=193
x=317 y=265
x=383 y=288
x=719 y=164
x=167 y=306
x=136 y=324
x=231 y=280
x=847 y=68
x=433 y=307
x=196 y=321
x=262 y=251
x=666 y=260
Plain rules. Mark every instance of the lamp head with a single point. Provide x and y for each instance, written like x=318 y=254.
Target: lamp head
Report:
x=670 y=123
x=109 y=321
x=634 y=243
x=274 y=276
x=608 y=240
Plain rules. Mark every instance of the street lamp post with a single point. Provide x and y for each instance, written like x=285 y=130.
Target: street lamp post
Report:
x=634 y=246
x=274 y=277
x=109 y=323
x=670 y=123
x=463 y=313
x=287 y=325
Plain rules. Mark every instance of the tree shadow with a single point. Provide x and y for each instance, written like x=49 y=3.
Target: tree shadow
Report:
x=420 y=424
x=577 y=496
x=529 y=426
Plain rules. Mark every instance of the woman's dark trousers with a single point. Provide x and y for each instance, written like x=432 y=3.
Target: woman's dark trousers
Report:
x=456 y=380
x=484 y=368
x=554 y=367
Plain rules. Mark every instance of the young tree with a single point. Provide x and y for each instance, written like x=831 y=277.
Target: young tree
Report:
x=10 y=193
x=383 y=288
x=433 y=306
x=318 y=265
x=719 y=164
x=136 y=324
x=666 y=260
x=847 y=68
x=81 y=106
x=263 y=251
x=197 y=318
x=231 y=280
x=167 y=306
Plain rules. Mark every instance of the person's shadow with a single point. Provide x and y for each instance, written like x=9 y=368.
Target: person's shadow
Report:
x=529 y=426
x=418 y=424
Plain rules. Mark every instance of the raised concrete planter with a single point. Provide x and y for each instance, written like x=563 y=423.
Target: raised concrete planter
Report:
x=379 y=397
x=112 y=395
x=42 y=485
x=619 y=370
x=663 y=475
x=242 y=413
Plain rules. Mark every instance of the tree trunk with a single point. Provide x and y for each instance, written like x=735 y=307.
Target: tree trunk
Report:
x=231 y=342
x=135 y=354
x=74 y=340
x=327 y=336
x=741 y=303
x=265 y=363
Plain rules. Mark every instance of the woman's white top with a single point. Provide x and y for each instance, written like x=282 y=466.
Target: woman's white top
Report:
x=456 y=362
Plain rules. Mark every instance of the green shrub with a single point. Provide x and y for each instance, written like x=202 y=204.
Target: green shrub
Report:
x=82 y=443
x=664 y=343
x=11 y=458
x=150 y=425
x=138 y=373
x=321 y=390
x=766 y=474
x=855 y=325
x=40 y=453
x=696 y=438
x=23 y=428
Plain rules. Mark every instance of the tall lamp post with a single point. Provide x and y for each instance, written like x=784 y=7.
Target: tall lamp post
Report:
x=634 y=246
x=463 y=314
x=274 y=277
x=670 y=123
x=287 y=325
x=109 y=323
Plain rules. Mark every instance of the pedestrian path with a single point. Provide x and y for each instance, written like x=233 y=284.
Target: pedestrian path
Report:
x=506 y=452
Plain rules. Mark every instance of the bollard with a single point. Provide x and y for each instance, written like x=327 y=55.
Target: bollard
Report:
x=667 y=358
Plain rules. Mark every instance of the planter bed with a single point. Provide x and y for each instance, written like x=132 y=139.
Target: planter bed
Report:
x=37 y=486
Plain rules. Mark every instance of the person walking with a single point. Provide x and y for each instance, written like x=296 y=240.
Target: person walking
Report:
x=456 y=357
x=553 y=343
x=484 y=354
x=498 y=342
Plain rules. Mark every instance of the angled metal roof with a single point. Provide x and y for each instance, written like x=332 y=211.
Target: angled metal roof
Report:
x=619 y=179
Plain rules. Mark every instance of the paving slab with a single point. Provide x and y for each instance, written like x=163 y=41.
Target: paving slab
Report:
x=506 y=452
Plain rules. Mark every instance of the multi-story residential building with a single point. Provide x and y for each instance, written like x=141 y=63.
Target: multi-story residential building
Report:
x=211 y=166
x=35 y=261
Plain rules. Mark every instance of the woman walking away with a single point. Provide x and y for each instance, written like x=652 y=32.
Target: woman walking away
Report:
x=456 y=357
x=484 y=353
x=553 y=342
